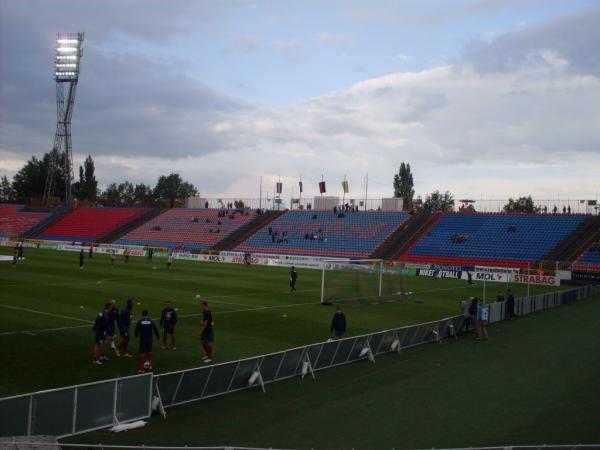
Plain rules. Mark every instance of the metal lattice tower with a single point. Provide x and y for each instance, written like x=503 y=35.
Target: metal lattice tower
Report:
x=66 y=74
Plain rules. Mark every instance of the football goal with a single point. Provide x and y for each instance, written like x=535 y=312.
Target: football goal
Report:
x=362 y=280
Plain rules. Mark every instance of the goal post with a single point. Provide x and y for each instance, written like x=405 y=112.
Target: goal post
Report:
x=363 y=280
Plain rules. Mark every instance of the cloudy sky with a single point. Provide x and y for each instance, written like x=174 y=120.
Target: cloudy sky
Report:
x=486 y=98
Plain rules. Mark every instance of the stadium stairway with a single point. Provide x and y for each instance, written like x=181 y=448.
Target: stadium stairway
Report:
x=247 y=230
x=401 y=239
x=570 y=248
x=56 y=215
x=122 y=231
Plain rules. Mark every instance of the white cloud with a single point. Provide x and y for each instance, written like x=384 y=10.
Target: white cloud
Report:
x=288 y=46
x=326 y=38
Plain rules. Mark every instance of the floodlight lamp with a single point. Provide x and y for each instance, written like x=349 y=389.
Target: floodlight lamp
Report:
x=66 y=49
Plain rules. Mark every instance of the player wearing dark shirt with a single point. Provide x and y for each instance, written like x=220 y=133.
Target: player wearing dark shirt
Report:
x=81 y=259
x=126 y=255
x=99 y=329
x=293 y=279
x=125 y=318
x=113 y=258
x=113 y=322
x=144 y=329
x=168 y=320
x=338 y=323
x=206 y=333
x=510 y=306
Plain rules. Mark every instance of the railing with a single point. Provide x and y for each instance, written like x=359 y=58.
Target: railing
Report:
x=17 y=445
x=78 y=409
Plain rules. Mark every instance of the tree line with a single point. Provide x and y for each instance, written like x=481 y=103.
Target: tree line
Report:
x=30 y=181
x=444 y=201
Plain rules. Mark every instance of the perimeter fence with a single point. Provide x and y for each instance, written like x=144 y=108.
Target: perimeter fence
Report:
x=78 y=409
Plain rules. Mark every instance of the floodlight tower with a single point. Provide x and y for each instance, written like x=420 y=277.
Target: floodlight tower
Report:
x=67 y=62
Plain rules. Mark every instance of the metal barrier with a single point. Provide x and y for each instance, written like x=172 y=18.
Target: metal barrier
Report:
x=87 y=407
x=177 y=388
x=77 y=409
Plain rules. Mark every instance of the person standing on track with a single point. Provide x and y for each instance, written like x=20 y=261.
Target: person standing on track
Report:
x=206 y=333
x=125 y=319
x=113 y=322
x=483 y=312
x=168 y=320
x=145 y=329
x=293 y=279
x=99 y=329
x=338 y=323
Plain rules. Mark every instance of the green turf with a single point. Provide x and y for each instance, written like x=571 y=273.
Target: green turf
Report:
x=50 y=292
x=535 y=381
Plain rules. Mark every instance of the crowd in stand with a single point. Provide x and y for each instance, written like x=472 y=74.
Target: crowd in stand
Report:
x=459 y=238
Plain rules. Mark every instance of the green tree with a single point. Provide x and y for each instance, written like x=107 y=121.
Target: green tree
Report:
x=522 y=204
x=172 y=187
x=111 y=193
x=403 y=183
x=142 y=194
x=89 y=184
x=126 y=193
x=439 y=202
x=6 y=190
x=30 y=181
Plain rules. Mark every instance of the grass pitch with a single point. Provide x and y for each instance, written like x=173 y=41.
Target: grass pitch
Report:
x=47 y=306
x=533 y=382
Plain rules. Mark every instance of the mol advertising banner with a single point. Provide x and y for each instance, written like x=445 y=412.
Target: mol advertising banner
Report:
x=492 y=277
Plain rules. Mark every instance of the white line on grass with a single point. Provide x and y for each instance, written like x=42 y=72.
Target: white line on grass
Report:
x=45 y=313
x=42 y=330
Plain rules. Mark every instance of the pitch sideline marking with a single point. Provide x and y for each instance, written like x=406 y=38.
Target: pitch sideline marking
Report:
x=60 y=316
x=42 y=330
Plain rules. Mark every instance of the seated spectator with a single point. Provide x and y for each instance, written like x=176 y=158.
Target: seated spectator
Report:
x=314 y=217
x=512 y=228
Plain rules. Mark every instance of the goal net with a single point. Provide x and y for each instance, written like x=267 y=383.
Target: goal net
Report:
x=363 y=280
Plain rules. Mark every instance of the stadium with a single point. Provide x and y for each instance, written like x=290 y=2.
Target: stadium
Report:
x=306 y=312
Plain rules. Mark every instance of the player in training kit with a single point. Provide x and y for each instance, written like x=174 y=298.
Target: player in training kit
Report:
x=81 y=259
x=144 y=328
x=338 y=323
x=125 y=318
x=126 y=255
x=168 y=320
x=169 y=261
x=113 y=258
x=99 y=329
x=293 y=279
x=206 y=333
x=113 y=322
